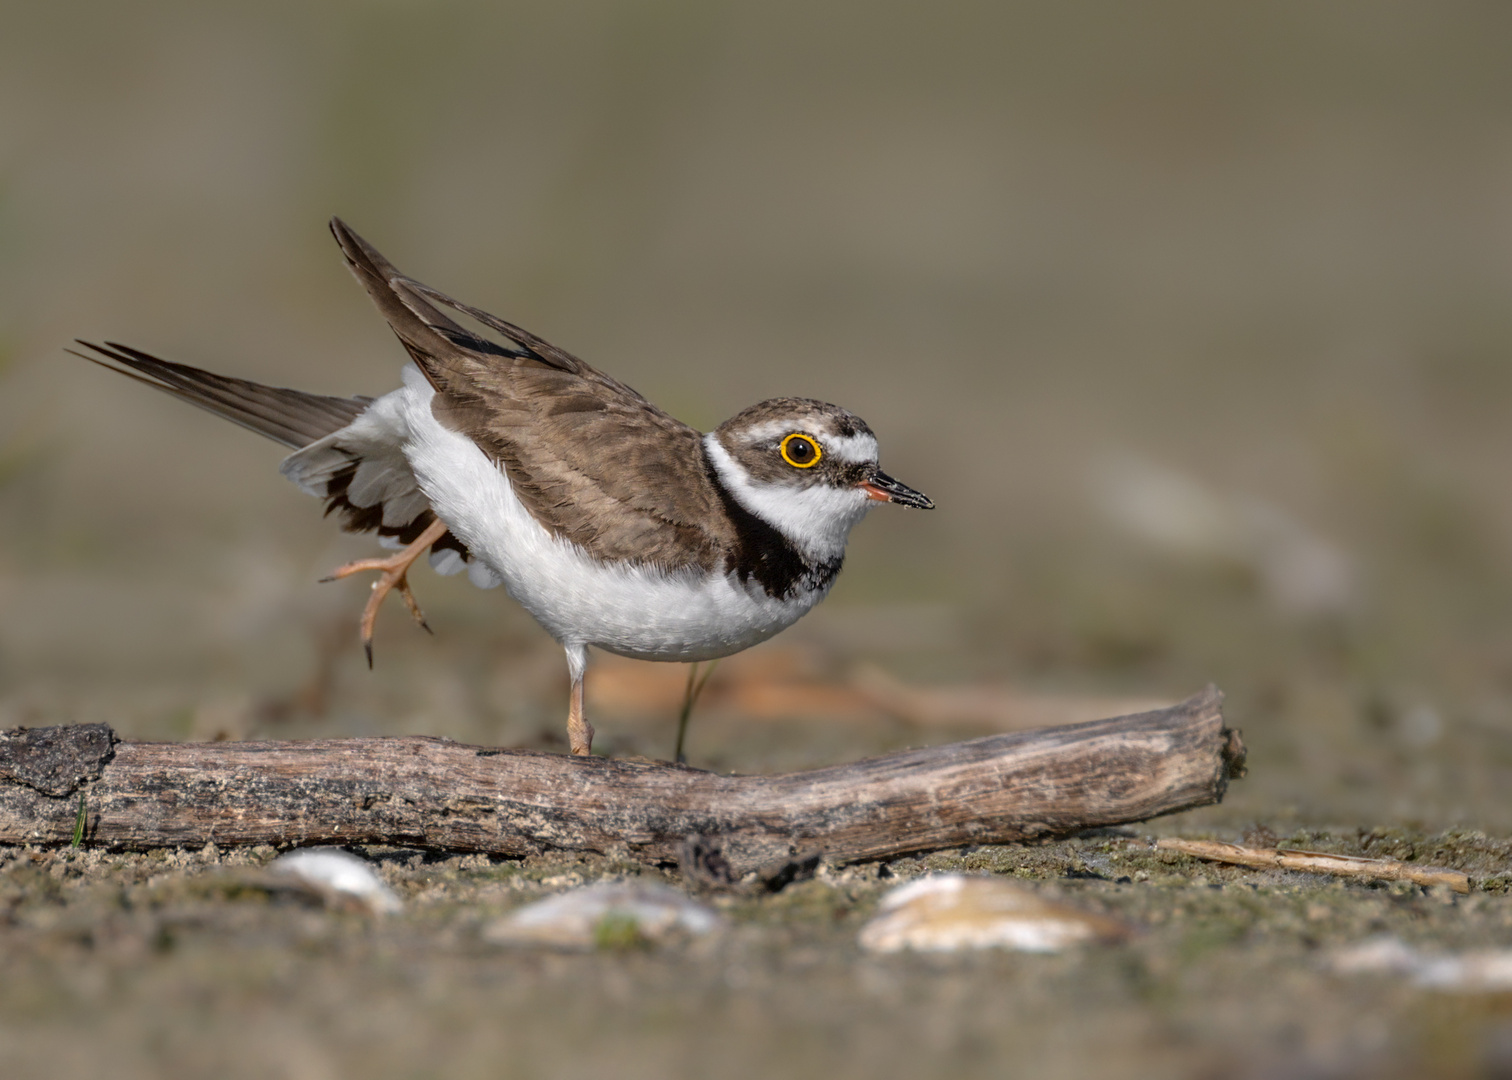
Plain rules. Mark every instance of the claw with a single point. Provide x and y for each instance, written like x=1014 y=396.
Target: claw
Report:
x=414 y=608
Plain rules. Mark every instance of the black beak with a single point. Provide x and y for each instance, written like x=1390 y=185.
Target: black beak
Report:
x=884 y=488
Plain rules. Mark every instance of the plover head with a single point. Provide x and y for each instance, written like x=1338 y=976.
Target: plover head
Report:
x=807 y=468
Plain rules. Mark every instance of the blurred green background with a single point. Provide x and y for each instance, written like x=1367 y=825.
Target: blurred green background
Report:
x=1193 y=319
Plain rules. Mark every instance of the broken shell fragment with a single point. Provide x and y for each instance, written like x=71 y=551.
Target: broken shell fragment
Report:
x=606 y=914
x=337 y=877
x=1476 y=971
x=952 y=912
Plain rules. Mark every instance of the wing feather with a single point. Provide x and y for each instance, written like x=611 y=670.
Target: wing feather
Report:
x=592 y=460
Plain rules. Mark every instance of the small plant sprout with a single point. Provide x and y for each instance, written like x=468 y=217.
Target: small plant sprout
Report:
x=79 y=819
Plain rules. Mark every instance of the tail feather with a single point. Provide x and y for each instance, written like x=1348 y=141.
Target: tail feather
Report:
x=291 y=417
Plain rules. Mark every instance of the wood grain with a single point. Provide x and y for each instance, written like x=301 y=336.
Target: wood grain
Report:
x=434 y=793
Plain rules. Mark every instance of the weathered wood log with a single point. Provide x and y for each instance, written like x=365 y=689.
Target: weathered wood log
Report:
x=434 y=793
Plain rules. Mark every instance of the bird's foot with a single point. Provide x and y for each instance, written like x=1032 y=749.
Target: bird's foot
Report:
x=392 y=574
x=579 y=730
x=580 y=736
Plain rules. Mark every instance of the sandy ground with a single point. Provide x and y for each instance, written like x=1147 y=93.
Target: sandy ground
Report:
x=168 y=964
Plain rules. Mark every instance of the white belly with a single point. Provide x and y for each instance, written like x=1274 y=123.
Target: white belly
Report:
x=635 y=611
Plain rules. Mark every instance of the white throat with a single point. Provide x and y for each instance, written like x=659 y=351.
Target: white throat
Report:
x=818 y=519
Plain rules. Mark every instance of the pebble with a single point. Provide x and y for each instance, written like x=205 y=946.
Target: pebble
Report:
x=953 y=912
x=608 y=913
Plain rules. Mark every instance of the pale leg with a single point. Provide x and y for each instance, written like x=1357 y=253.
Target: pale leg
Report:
x=579 y=730
x=392 y=575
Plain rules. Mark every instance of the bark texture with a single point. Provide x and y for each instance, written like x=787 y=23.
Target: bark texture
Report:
x=434 y=793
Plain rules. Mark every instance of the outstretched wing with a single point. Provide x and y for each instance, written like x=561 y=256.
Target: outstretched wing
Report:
x=592 y=460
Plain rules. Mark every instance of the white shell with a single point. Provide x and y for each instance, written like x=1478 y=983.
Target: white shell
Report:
x=952 y=912
x=336 y=875
x=1476 y=971
x=573 y=919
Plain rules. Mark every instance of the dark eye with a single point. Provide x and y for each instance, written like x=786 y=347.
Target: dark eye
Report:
x=800 y=451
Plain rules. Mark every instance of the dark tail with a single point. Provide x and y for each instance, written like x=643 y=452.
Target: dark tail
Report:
x=291 y=417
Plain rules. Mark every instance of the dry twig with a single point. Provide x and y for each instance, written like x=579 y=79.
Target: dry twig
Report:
x=1316 y=862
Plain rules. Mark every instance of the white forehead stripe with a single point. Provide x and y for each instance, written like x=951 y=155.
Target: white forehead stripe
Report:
x=856 y=449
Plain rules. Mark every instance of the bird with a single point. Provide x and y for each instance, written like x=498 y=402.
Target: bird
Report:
x=506 y=458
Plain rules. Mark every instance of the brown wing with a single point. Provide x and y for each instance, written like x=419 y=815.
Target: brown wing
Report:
x=591 y=459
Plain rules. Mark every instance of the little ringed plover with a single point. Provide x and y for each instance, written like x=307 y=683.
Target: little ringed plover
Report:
x=515 y=462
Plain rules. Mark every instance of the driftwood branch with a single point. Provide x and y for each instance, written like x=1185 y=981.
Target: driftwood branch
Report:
x=1316 y=862
x=434 y=793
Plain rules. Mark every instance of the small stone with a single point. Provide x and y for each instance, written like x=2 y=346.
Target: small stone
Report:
x=606 y=915
x=952 y=912
x=338 y=877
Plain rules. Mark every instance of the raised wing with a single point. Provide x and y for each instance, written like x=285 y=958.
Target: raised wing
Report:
x=592 y=460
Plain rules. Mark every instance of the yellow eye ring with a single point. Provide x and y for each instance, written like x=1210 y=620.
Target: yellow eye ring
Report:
x=805 y=456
